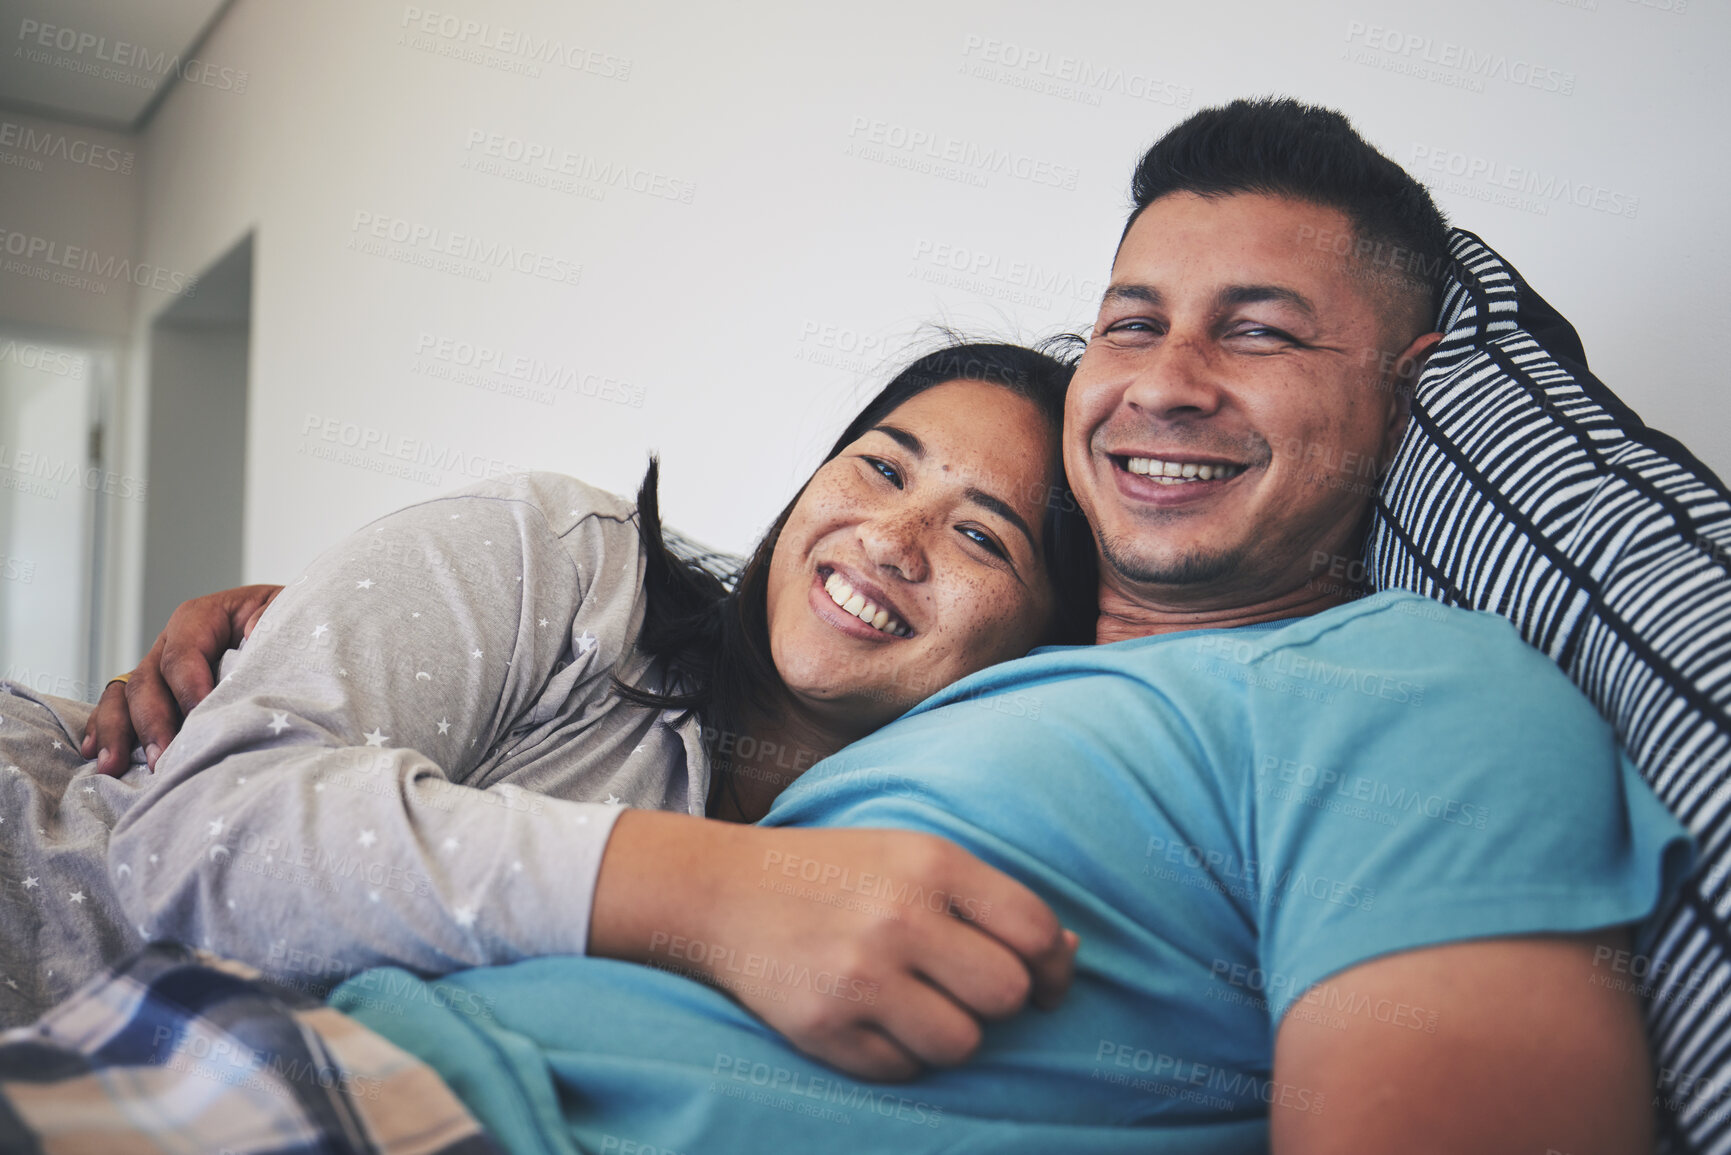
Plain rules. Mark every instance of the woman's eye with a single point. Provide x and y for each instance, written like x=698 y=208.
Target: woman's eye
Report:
x=885 y=468
x=982 y=538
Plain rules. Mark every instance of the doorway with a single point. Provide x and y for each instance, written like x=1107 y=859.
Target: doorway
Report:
x=196 y=442
x=53 y=394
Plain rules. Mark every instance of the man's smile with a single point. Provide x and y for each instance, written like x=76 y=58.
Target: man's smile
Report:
x=1169 y=482
x=1179 y=470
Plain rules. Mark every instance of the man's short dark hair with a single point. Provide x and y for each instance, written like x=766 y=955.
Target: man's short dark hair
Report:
x=1277 y=146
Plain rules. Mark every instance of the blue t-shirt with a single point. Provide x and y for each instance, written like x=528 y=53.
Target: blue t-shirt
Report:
x=1226 y=817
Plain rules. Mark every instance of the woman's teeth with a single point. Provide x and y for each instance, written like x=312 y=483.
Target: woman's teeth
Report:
x=843 y=595
x=1176 y=473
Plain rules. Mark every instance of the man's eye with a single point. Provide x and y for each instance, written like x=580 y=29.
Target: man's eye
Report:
x=982 y=538
x=885 y=468
x=1130 y=327
x=1263 y=334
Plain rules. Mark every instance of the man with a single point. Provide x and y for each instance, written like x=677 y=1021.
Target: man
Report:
x=1223 y=340
x=1366 y=854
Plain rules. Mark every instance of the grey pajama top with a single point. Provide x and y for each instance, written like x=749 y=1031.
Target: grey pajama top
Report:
x=416 y=758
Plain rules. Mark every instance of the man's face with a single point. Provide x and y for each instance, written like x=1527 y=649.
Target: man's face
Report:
x=1234 y=351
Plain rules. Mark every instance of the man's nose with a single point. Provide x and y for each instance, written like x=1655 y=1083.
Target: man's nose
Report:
x=1177 y=379
x=897 y=540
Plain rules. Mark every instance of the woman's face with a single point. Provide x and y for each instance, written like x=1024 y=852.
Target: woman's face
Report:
x=914 y=558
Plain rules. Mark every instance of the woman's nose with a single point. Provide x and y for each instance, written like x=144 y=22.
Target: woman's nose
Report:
x=898 y=541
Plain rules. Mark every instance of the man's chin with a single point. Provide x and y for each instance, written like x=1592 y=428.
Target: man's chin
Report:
x=1136 y=565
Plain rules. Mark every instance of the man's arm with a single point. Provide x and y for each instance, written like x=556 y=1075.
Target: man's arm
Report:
x=905 y=985
x=177 y=674
x=1532 y=1052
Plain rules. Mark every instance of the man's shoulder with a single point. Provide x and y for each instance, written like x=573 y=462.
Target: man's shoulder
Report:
x=1433 y=653
x=1419 y=646
x=1396 y=623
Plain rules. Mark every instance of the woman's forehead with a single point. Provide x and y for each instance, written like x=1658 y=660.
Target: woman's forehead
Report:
x=988 y=436
x=972 y=417
x=978 y=421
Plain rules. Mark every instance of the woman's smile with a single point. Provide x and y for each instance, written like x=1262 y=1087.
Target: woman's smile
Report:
x=862 y=601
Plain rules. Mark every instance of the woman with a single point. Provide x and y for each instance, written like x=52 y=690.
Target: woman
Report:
x=525 y=636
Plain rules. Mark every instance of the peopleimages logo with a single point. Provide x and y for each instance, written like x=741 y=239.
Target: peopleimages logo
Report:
x=1541 y=187
x=1009 y=271
x=59 y=146
x=525 y=46
x=55 y=255
x=1471 y=62
x=31 y=356
x=70 y=471
x=393 y=445
x=1073 y=78
x=129 y=60
x=554 y=161
x=536 y=376
x=882 y=140
x=1304 y=781
x=415 y=242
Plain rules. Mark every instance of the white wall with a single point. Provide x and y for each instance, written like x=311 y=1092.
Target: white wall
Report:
x=719 y=319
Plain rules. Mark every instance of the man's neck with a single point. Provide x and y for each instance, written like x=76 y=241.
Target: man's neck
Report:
x=1124 y=616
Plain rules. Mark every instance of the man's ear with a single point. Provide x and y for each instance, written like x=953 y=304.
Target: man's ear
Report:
x=1399 y=381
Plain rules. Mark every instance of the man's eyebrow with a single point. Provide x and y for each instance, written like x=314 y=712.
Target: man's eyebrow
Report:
x=1145 y=294
x=981 y=498
x=1256 y=294
x=901 y=437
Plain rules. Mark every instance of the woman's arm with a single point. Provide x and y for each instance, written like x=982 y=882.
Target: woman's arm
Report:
x=316 y=803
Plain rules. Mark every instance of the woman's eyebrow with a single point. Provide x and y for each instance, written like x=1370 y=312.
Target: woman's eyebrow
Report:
x=902 y=437
x=998 y=506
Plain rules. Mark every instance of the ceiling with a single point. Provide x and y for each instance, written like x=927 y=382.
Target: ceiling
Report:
x=105 y=63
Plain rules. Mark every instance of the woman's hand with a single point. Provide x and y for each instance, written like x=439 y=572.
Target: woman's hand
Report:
x=877 y=951
x=176 y=675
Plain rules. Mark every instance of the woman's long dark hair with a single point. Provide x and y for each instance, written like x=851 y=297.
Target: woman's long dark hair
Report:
x=715 y=642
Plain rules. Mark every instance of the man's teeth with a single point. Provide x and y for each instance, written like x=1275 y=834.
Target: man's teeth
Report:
x=1176 y=473
x=843 y=595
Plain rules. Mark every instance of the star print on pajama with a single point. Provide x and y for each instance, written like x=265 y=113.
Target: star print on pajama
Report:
x=402 y=764
x=436 y=715
x=60 y=918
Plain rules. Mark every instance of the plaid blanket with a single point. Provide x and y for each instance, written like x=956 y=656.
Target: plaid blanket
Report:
x=177 y=1051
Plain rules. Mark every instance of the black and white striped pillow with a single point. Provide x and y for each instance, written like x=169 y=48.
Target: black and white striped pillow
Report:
x=727 y=568
x=1524 y=487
